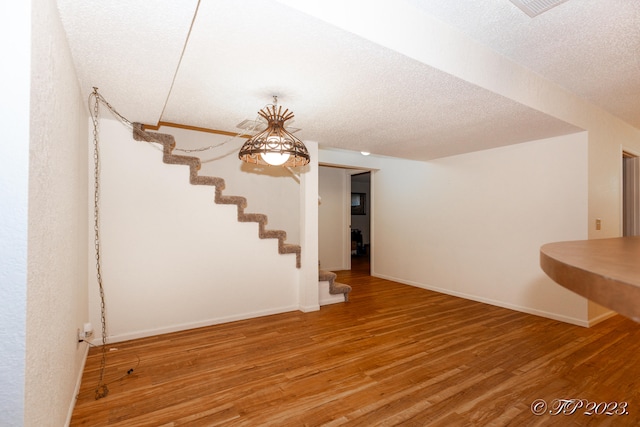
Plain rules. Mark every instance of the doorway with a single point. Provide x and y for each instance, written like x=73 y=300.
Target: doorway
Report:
x=630 y=194
x=361 y=220
x=335 y=219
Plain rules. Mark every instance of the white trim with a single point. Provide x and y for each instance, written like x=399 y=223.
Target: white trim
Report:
x=372 y=223
x=325 y=297
x=309 y=308
x=623 y=149
x=602 y=318
x=192 y=325
x=528 y=310
x=76 y=390
x=346 y=223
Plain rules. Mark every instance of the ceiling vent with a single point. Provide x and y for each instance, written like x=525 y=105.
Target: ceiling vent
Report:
x=534 y=8
x=255 y=126
x=252 y=125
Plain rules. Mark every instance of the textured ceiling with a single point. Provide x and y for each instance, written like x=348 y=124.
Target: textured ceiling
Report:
x=590 y=47
x=128 y=49
x=345 y=90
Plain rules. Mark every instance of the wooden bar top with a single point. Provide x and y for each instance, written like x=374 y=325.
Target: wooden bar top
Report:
x=606 y=271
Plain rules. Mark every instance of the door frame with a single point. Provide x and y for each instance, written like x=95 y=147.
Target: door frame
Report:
x=630 y=197
x=346 y=237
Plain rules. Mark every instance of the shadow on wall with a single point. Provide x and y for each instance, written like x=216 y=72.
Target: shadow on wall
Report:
x=545 y=297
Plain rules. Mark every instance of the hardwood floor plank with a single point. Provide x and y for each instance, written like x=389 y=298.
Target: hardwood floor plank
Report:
x=393 y=355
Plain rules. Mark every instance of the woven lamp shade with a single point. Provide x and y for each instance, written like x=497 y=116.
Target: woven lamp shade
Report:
x=274 y=145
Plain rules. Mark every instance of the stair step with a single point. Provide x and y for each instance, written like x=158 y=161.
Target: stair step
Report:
x=324 y=275
x=335 y=288
x=168 y=142
x=253 y=217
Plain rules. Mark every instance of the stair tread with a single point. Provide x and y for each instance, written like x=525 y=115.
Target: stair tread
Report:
x=194 y=163
x=325 y=275
x=334 y=287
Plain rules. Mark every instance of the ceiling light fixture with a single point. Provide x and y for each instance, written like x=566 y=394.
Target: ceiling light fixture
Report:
x=275 y=145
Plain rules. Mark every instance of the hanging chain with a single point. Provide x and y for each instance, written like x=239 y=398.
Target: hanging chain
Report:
x=101 y=389
x=125 y=121
x=100 y=98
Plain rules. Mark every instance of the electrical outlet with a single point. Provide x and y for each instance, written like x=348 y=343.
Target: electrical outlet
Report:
x=85 y=333
x=88 y=330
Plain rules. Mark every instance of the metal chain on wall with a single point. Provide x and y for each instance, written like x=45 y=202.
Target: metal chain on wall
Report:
x=101 y=389
x=94 y=107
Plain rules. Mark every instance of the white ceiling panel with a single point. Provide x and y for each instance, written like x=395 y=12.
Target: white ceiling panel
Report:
x=590 y=47
x=129 y=49
x=346 y=91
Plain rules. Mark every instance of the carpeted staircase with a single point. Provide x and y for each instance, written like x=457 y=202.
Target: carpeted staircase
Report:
x=335 y=288
x=168 y=143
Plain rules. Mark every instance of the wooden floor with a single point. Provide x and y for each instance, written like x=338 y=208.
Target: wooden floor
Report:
x=393 y=355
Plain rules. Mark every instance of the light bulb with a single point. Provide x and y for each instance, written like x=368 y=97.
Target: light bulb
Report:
x=275 y=159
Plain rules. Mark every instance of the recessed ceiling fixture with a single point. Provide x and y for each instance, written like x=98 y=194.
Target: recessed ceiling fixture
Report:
x=275 y=145
x=534 y=8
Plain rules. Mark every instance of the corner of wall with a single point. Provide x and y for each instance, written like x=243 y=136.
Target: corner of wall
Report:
x=308 y=274
x=597 y=313
x=15 y=25
x=57 y=255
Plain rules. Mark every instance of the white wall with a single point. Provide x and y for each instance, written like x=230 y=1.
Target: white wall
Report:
x=273 y=191
x=607 y=134
x=172 y=259
x=308 y=272
x=57 y=251
x=333 y=226
x=15 y=41
x=472 y=225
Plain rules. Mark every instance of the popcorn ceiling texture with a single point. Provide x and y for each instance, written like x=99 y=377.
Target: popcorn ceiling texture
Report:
x=393 y=105
x=583 y=45
x=129 y=49
x=168 y=143
x=429 y=79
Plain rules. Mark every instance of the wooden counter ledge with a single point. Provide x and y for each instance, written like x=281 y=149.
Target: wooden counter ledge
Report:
x=606 y=271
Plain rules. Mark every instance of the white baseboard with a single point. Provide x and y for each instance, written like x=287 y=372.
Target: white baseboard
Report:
x=601 y=318
x=76 y=390
x=309 y=308
x=528 y=310
x=324 y=297
x=192 y=325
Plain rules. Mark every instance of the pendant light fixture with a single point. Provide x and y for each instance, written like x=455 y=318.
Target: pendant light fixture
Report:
x=274 y=145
